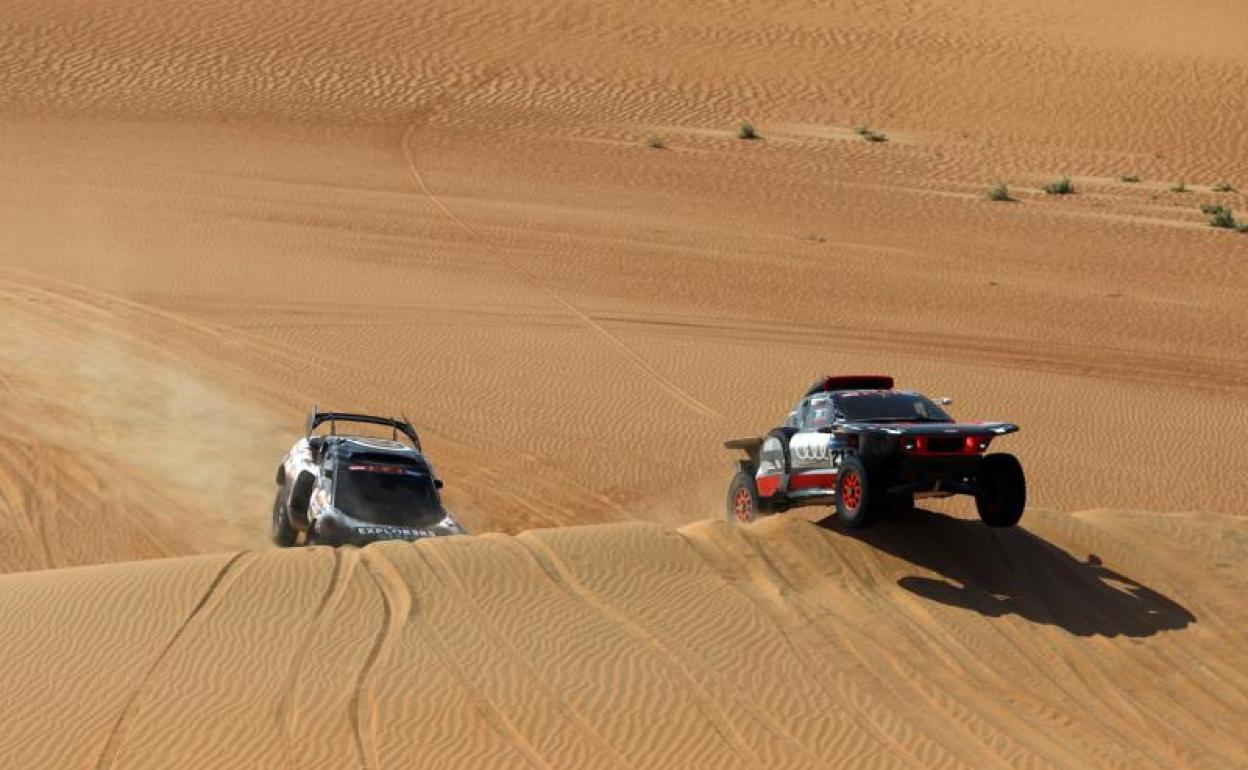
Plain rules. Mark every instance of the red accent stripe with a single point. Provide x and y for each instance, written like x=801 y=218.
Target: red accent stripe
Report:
x=820 y=479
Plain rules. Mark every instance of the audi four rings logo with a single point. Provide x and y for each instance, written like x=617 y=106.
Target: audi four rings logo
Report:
x=810 y=452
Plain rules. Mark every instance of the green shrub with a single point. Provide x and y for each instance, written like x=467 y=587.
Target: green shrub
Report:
x=1129 y=178
x=999 y=192
x=1063 y=186
x=746 y=131
x=869 y=134
x=1219 y=216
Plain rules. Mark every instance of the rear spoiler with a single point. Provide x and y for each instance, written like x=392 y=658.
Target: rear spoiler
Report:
x=751 y=445
x=317 y=418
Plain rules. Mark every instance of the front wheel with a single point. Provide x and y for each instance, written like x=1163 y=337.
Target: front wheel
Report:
x=858 y=502
x=744 y=504
x=1002 y=491
x=281 y=531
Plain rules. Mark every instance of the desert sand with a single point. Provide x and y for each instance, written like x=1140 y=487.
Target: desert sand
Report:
x=214 y=215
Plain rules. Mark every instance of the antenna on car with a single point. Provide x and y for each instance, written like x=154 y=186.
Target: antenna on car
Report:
x=394 y=430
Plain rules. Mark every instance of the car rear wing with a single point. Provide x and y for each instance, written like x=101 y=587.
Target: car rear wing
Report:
x=317 y=418
x=751 y=445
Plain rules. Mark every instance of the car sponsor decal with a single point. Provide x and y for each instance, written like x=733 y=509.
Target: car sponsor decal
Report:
x=396 y=470
x=395 y=533
x=810 y=449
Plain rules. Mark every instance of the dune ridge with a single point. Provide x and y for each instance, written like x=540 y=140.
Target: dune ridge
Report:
x=929 y=642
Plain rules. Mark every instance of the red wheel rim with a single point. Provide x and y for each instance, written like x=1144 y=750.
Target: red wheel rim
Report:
x=743 y=506
x=851 y=490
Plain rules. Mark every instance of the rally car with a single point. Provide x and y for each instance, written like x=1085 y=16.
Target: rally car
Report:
x=858 y=444
x=353 y=489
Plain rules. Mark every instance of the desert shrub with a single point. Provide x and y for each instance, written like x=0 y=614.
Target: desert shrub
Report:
x=1223 y=187
x=862 y=130
x=999 y=192
x=1219 y=216
x=655 y=142
x=875 y=136
x=1063 y=186
x=746 y=131
x=1181 y=187
x=1129 y=178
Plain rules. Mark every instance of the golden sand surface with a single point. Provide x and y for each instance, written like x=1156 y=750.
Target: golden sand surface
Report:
x=532 y=228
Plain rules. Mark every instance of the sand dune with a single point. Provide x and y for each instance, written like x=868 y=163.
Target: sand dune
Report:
x=450 y=211
x=930 y=643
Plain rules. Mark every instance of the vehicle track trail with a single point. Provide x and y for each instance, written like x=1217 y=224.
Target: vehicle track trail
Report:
x=444 y=572
x=212 y=596
x=549 y=562
x=287 y=712
x=396 y=601
x=637 y=360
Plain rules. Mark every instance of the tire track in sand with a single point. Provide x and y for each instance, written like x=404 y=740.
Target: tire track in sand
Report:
x=478 y=701
x=225 y=576
x=443 y=571
x=672 y=389
x=287 y=715
x=550 y=563
x=396 y=603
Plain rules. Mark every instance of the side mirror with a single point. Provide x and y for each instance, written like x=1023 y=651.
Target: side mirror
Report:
x=438 y=483
x=944 y=401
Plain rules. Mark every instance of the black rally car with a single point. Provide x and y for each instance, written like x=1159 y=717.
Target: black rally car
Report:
x=857 y=443
x=352 y=489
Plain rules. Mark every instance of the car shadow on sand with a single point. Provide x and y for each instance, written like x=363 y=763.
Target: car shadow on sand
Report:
x=998 y=572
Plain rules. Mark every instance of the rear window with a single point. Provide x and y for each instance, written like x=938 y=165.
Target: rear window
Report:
x=389 y=495
x=889 y=406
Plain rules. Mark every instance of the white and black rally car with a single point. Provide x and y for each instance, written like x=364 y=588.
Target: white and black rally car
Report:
x=858 y=444
x=353 y=489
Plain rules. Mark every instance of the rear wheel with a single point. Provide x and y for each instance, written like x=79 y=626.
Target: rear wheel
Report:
x=281 y=531
x=744 y=504
x=1002 y=491
x=858 y=503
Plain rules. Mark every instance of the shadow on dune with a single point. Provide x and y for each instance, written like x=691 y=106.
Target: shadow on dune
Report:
x=998 y=572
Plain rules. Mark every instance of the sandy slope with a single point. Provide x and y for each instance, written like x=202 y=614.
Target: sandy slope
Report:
x=939 y=644
x=449 y=210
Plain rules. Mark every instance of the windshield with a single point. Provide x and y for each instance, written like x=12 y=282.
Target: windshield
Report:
x=388 y=495
x=889 y=406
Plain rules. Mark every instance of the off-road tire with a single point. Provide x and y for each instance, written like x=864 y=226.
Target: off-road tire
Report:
x=281 y=531
x=744 y=504
x=859 y=503
x=1002 y=494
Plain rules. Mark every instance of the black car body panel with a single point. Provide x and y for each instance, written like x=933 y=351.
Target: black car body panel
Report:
x=353 y=490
